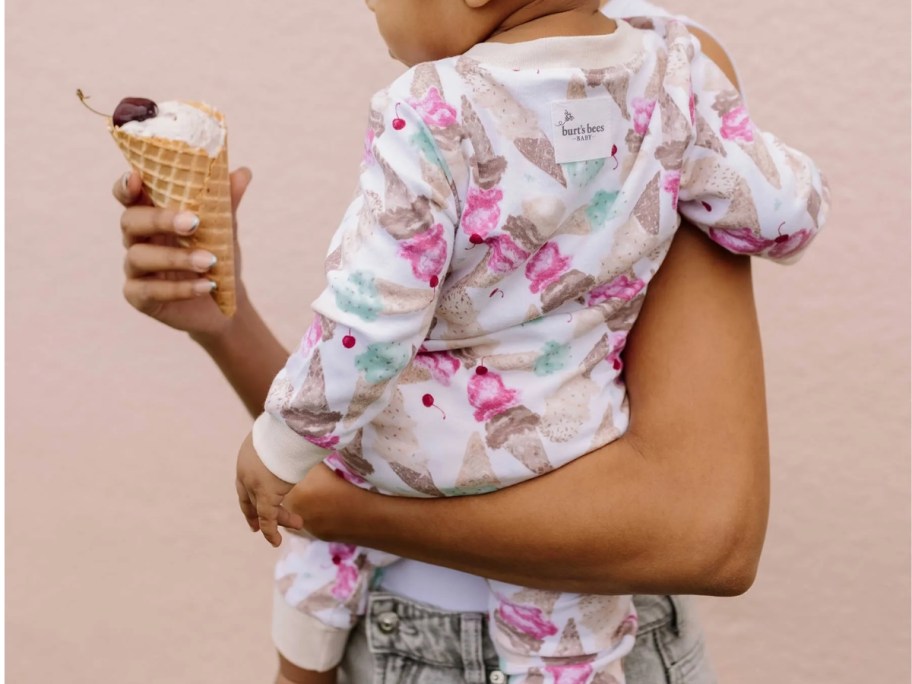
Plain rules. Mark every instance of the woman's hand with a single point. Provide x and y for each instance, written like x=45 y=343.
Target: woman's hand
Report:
x=166 y=281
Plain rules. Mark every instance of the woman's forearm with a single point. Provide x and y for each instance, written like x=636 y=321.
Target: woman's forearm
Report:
x=248 y=354
x=677 y=505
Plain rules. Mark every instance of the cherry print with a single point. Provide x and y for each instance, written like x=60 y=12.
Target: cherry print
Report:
x=476 y=239
x=339 y=474
x=495 y=291
x=428 y=401
x=337 y=560
x=348 y=341
x=782 y=238
x=614 y=151
x=398 y=122
x=435 y=281
x=707 y=206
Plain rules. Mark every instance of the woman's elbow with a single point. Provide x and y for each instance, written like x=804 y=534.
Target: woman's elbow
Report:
x=733 y=544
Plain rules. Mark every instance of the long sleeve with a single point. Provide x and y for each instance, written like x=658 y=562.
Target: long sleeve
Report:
x=386 y=263
x=746 y=189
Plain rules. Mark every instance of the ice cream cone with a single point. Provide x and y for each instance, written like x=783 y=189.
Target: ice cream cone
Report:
x=179 y=176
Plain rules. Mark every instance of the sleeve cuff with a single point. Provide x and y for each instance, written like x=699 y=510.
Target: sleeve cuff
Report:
x=303 y=639
x=286 y=453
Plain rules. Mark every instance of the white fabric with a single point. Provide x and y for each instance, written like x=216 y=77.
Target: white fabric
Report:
x=450 y=589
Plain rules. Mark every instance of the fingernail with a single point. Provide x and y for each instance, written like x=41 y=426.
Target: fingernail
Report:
x=204 y=286
x=202 y=261
x=126 y=181
x=186 y=222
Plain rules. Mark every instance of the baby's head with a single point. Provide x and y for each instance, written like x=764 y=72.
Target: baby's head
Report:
x=424 y=30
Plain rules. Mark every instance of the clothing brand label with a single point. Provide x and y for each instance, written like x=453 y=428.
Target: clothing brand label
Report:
x=582 y=129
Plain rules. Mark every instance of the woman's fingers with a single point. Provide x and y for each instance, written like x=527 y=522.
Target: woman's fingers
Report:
x=129 y=191
x=142 y=222
x=149 y=293
x=143 y=259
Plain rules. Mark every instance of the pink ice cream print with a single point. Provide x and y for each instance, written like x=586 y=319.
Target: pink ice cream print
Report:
x=505 y=255
x=341 y=469
x=622 y=288
x=672 y=184
x=737 y=126
x=642 y=114
x=546 y=267
x=325 y=442
x=618 y=342
x=434 y=110
x=346 y=581
x=528 y=620
x=740 y=240
x=341 y=552
x=313 y=335
x=576 y=673
x=441 y=365
x=427 y=253
x=482 y=211
x=693 y=107
x=489 y=396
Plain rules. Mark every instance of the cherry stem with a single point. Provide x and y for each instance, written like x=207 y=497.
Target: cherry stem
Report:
x=780 y=227
x=83 y=97
x=439 y=409
x=616 y=162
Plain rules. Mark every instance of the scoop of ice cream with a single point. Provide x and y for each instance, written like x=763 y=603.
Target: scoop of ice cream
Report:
x=181 y=121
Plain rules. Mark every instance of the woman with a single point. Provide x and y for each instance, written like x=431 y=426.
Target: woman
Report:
x=678 y=505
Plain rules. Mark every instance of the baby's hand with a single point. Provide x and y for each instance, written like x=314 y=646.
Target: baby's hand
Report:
x=261 y=494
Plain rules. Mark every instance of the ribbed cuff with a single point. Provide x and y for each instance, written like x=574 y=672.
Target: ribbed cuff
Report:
x=303 y=639
x=286 y=453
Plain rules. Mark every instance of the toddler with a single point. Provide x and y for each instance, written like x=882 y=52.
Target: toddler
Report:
x=520 y=187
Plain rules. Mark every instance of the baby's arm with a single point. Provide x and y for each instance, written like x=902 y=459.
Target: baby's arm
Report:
x=385 y=266
x=751 y=193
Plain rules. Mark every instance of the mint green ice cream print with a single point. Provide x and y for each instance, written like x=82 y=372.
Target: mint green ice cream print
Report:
x=554 y=357
x=598 y=211
x=423 y=141
x=358 y=295
x=584 y=172
x=383 y=360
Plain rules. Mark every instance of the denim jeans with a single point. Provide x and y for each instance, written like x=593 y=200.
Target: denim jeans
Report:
x=403 y=642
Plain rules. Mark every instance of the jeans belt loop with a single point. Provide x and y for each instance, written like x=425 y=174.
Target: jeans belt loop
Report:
x=470 y=634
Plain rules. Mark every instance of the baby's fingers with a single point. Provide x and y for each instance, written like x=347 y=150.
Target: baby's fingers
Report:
x=247 y=507
x=267 y=516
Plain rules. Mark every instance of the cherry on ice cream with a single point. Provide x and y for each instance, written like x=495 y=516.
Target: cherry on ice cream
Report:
x=129 y=109
x=134 y=109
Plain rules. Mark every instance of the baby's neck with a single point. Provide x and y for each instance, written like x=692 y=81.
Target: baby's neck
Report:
x=548 y=18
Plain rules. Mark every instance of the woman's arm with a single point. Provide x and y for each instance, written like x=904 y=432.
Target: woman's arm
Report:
x=677 y=505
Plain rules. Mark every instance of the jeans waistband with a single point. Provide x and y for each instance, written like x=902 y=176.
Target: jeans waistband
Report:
x=435 y=637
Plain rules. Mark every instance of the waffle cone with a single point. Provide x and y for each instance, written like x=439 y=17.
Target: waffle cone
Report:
x=178 y=176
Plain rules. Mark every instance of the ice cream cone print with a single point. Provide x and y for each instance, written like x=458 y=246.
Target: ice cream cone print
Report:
x=567 y=410
x=353 y=457
x=602 y=615
x=516 y=431
x=571 y=285
x=646 y=210
x=576 y=88
x=513 y=120
x=616 y=80
x=476 y=476
x=307 y=411
x=488 y=168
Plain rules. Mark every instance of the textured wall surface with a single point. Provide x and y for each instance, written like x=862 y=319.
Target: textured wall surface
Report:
x=127 y=558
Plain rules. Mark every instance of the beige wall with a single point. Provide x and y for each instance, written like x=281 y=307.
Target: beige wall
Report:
x=128 y=561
